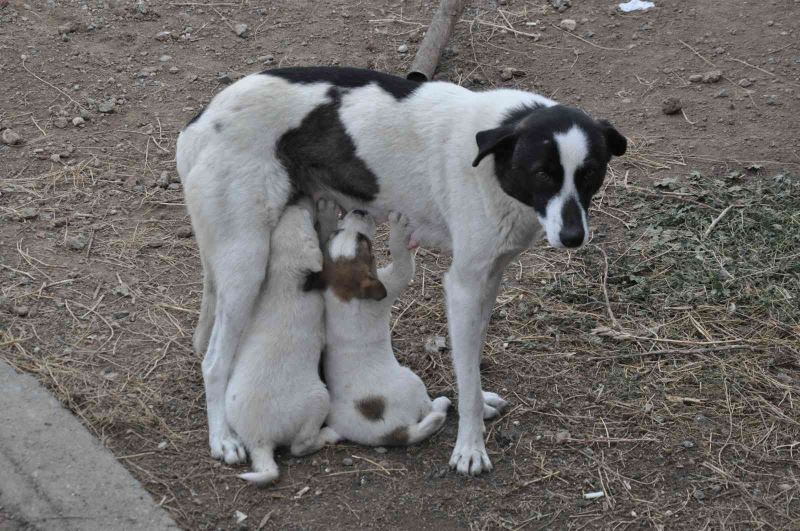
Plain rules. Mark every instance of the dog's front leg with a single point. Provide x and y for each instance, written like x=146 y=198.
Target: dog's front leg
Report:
x=467 y=292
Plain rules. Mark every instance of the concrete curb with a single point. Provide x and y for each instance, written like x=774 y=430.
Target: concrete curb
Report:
x=54 y=474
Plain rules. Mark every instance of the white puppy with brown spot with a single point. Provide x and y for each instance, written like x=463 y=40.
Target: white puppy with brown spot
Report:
x=275 y=396
x=374 y=399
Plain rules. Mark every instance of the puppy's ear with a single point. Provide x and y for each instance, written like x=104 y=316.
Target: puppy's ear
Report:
x=491 y=140
x=617 y=144
x=314 y=281
x=372 y=288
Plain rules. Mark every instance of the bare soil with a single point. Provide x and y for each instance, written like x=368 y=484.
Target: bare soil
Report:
x=658 y=367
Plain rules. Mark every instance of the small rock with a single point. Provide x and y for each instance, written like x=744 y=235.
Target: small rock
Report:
x=27 y=213
x=165 y=58
x=68 y=27
x=78 y=121
x=241 y=30
x=106 y=106
x=239 y=516
x=507 y=74
x=120 y=315
x=695 y=78
x=687 y=444
x=561 y=5
x=267 y=59
x=648 y=407
x=435 y=344
x=55 y=157
x=184 y=232
x=11 y=138
x=562 y=436
x=744 y=82
x=224 y=78
x=380 y=450
x=785 y=486
x=174 y=186
x=699 y=495
x=722 y=94
x=60 y=122
x=163 y=180
x=712 y=76
x=347 y=461
x=155 y=244
x=568 y=24
x=20 y=311
x=121 y=291
x=163 y=36
x=403 y=48
x=772 y=100
x=77 y=242
x=174 y=70
x=671 y=105
x=162 y=445
x=175 y=178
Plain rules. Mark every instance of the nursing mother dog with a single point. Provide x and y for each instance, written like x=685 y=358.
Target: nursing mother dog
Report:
x=483 y=174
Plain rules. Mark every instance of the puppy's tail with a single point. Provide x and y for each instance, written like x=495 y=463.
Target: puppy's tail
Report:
x=265 y=469
x=431 y=422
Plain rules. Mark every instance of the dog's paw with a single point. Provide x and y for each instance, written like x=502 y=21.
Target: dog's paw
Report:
x=440 y=404
x=399 y=230
x=227 y=447
x=326 y=211
x=470 y=457
x=493 y=405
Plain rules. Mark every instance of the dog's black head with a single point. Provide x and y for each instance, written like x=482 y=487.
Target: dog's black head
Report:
x=554 y=160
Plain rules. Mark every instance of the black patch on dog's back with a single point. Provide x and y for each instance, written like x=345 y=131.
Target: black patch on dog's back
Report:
x=346 y=77
x=372 y=407
x=320 y=154
x=396 y=437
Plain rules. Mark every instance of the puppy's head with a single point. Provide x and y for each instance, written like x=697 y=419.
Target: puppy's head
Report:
x=554 y=160
x=294 y=245
x=350 y=271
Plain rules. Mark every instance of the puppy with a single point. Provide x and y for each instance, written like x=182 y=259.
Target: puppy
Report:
x=275 y=396
x=374 y=399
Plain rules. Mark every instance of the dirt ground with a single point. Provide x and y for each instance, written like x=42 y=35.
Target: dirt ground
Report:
x=657 y=367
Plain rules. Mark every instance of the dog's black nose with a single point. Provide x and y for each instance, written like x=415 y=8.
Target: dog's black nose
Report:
x=359 y=212
x=571 y=237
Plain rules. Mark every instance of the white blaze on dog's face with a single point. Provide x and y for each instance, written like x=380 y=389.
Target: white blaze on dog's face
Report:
x=554 y=160
x=349 y=270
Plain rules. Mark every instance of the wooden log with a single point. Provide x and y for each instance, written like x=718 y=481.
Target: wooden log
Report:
x=435 y=40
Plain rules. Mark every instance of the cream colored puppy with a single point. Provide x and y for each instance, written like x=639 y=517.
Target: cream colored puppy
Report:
x=275 y=396
x=374 y=399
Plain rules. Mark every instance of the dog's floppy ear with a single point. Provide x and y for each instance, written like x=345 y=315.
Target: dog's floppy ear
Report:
x=372 y=288
x=492 y=139
x=617 y=144
x=314 y=281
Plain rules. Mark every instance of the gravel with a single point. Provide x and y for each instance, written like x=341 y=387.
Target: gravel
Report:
x=744 y=82
x=671 y=105
x=561 y=5
x=403 y=48
x=435 y=344
x=347 y=461
x=60 y=122
x=78 y=121
x=77 y=242
x=568 y=24
x=241 y=30
x=11 y=138
x=562 y=436
x=165 y=58
x=106 y=106
x=163 y=36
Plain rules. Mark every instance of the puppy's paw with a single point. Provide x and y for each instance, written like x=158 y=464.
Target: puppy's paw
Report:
x=440 y=404
x=400 y=231
x=493 y=405
x=470 y=457
x=326 y=207
x=227 y=447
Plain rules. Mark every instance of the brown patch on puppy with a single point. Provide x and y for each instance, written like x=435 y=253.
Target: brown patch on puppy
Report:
x=396 y=437
x=354 y=278
x=372 y=407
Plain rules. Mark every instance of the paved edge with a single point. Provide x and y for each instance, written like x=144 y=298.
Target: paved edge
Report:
x=54 y=474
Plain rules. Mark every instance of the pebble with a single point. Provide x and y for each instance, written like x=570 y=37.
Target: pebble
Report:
x=241 y=30
x=347 y=461
x=78 y=121
x=106 y=106
x=27 y=213
x=435 y=344
x=403 y=48
x=174 y=186
x=120 y=315
x=60 y=122
x=671 y=105
x=568 y=24
x=695 y=78
x=68 y=27
x=11 y=138
x=507 y=74
x=561 y=5
x=687 y=444
x=55 y=157
x=785 y=486
x=699 y=495
x=380 y=450
x=163 y=36
x=722 y=94
x=744 y=82
x=20 y=311
x=77 y=242
x=162 y=445
x=163 y=180
x=562 y=436
x=712 y=76
x=267 y=59
x=174 y=70
x=165 y=58
x=225 y=78
x=184 y=232
x=772 y=99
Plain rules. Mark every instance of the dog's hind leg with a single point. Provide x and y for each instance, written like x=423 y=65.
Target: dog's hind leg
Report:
x=265 y=469
x=430 y=423
x=207 y=308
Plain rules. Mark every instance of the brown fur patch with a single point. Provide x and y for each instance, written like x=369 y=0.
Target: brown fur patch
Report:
x=396 y=437
x=372 y=407
x=354 y=278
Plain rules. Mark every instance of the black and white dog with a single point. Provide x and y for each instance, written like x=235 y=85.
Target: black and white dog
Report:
x=481 y=174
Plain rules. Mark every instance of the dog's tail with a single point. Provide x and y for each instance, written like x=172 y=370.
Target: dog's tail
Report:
x=431 y=422
x=265 y=469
